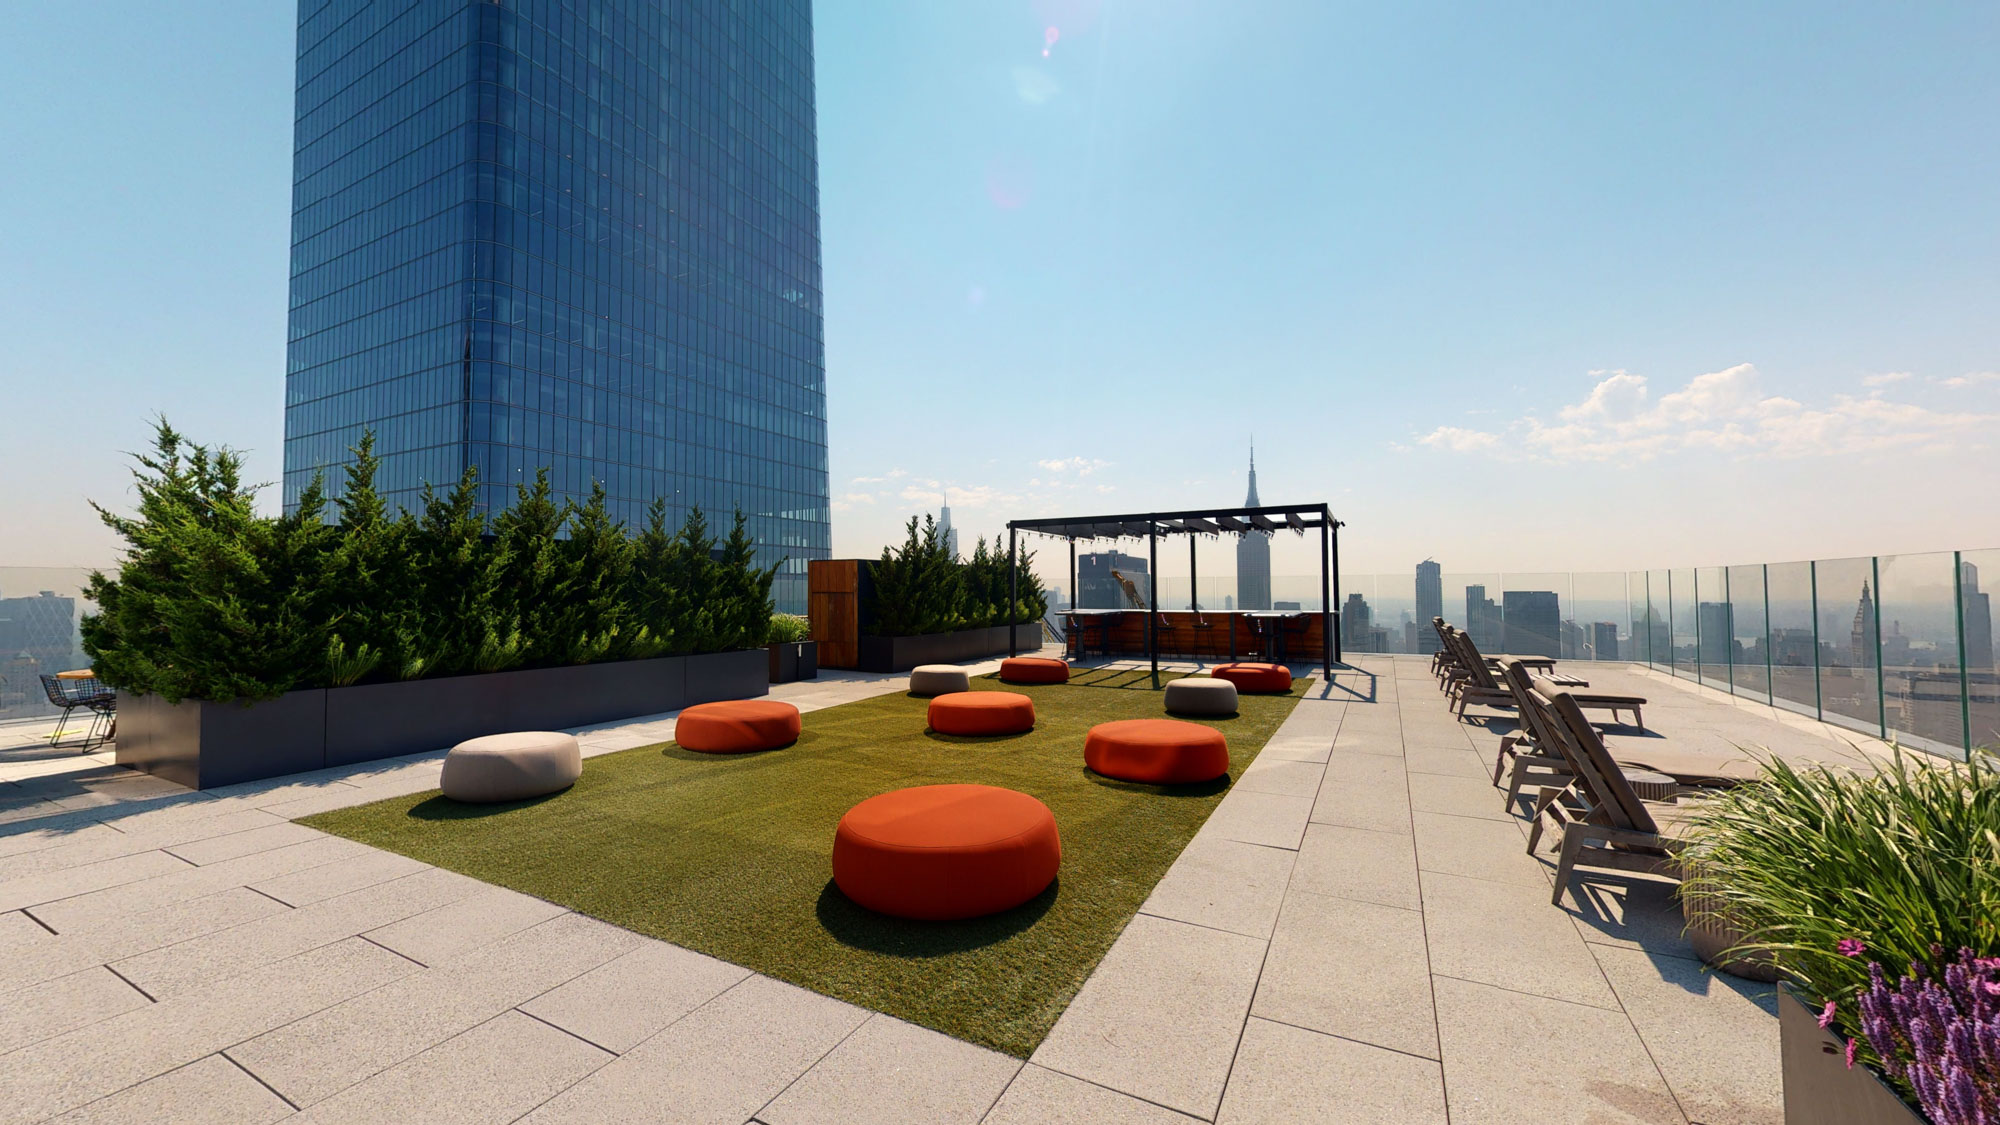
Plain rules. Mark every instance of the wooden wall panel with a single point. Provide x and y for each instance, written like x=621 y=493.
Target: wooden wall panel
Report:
x=1205 y=636
x=833 y=607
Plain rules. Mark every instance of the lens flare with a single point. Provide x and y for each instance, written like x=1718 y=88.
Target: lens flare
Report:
x=1049 y=36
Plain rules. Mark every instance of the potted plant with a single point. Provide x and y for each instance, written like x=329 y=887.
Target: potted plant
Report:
x=794 y=655
x=1832 y=874
x=920 y=604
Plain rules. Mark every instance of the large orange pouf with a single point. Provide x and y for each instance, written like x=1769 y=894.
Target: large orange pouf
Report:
x=1156 y=751
x=944 y=852
x=1255 y=677
x=1034 y=670
x=982 y=712
x=737 y=726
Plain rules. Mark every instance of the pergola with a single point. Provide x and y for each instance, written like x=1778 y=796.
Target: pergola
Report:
x=1149 y=526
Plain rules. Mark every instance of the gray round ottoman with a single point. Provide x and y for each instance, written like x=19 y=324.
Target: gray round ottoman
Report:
x=1201 y=695
x=938 y=679
x=511 y=767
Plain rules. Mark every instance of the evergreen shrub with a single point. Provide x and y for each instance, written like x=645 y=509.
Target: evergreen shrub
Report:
x=214 y=602
x=919 y=588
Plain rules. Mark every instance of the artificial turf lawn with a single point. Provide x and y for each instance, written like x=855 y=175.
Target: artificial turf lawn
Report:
x=730 y=854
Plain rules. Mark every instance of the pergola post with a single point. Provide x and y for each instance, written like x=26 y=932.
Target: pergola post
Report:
x=1013 y=586
x=1194 y=583
x=1153 y=591
x=1074 y=622
x=1333 y=537
x=1325 y=596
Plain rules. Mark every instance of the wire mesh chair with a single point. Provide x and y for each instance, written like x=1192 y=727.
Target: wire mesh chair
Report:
x=93 y=696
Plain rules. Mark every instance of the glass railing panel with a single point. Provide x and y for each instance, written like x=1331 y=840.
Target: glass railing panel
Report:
x=1917 y=606
x=1794 y=655
x=1714 y=635
x=1849 y=674
x=1532 y=609
x=1361 y=628
x=40 y=609
x=1681 y=619
x=1978 y=571
x=1602 y=615
x=1395 y=612
x=1749 y=644
x=1659 y=630
x=1637 y=645
x=1472 y=602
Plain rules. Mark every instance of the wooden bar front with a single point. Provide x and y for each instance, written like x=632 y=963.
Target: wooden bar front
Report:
x=1202 y=636
x=833 y=607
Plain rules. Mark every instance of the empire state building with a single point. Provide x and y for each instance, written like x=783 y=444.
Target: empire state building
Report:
x=1253 y=556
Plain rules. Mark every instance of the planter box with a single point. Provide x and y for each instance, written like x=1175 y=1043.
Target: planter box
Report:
x=1819 y=1089
x=204 y=745
x=793 y=660
x=900 y=654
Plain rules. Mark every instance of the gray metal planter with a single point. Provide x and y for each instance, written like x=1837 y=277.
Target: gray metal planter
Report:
x=900 y=654
x=1819 y=1088
x=204 y=745
x=793 y=660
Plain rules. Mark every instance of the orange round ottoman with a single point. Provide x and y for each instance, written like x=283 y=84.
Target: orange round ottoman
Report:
x=1156 y=751
x=945 y=852
x=1034 y=670
x=982 y=712
x=737 y=726
x=1255 y=677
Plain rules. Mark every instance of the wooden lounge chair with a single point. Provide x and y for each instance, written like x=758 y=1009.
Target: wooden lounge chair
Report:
x=1472 y=681
x=1603 y=824
x=1589 y=701
x=1537 y=757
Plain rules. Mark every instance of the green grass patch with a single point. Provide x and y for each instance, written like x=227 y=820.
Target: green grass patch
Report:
x=730 y=855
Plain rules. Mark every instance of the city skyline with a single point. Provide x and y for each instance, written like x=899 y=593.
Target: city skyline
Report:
x=1827 y=357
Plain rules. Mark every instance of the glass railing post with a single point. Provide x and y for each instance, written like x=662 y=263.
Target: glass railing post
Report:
x=1819 y=693
x=1770 y=676
x=1729 y=622
x=1881 y=674
x=1699 y=651
x=1964 y=681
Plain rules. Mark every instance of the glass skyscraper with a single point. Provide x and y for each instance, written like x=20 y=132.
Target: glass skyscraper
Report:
x=574 y=233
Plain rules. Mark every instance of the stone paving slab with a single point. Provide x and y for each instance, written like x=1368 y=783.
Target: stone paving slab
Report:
x=1356 y=863
x=1040 y=1096
x=629 y=998
x=1352 y=969
x=1288 y=1074
x=890 y=1072
x=1225 y=885
x=45 y=1010
x=1170 y=1045
x=208 y=1091
x=1510 y=937
x=1713 y=1036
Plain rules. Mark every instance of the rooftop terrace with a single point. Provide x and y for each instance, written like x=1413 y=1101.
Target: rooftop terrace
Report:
x=1355 y=934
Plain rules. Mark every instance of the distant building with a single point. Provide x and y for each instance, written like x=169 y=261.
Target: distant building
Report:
x=1861 y=640
x=1253 y=556
x=1603 y=640
x=1430 y=592
x=1356 y=622
x=1978 y=616
x=1410 y=637
x=1575 y=644
x=1533 y=622
x=947 y=532
x=1097 y=580
x=1482 y=620
x=1287 y=605
x=1715 y=637
x=37 y=638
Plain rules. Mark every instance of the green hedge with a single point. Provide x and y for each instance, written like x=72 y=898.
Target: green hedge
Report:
x=919 y=588
x=215 y=602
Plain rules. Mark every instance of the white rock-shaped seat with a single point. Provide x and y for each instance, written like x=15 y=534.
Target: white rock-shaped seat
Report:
x=1201 y=695
x=938 y=679
x=511 y=767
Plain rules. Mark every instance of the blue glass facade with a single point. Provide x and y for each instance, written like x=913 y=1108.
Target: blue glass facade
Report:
x=574 y=233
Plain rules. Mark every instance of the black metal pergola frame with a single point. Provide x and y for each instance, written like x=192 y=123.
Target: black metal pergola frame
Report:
x=1206 y=521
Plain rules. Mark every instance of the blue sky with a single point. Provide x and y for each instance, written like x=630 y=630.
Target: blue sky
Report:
x=1706 y=283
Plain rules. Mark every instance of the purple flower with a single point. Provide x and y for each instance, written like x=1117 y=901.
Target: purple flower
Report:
x=1826 y=1015
x=1937 y=1031
x=1849 y=947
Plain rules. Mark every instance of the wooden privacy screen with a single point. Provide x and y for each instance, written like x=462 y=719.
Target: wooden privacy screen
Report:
x=833 y=606
x=1209 y=635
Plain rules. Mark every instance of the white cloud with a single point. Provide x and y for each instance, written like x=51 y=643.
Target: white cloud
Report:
x=1885 y=379
x=1081 y=466
x=1458 y=440
x=1970 y=379
x=1724 y=412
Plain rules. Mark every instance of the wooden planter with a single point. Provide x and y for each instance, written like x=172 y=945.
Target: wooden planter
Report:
x=1711 y=937
x=1819 y=1088
x=203 y=745
x=900 y=654
x=793 y=660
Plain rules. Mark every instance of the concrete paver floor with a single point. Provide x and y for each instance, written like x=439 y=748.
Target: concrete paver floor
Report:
x=1356 y=935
